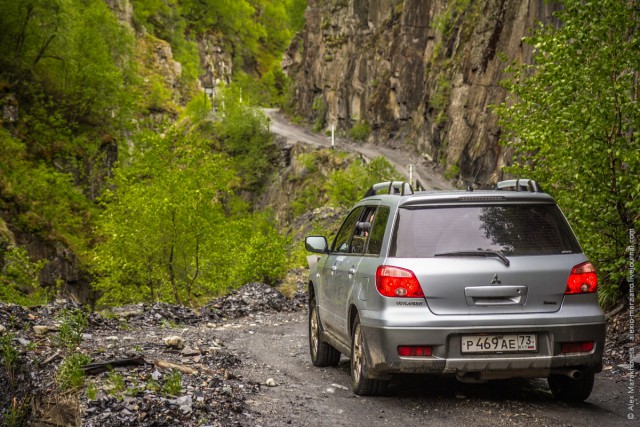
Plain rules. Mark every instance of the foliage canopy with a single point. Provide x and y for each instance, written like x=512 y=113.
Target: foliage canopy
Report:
x=573 y=120
x=78 y=90
x=167 y=234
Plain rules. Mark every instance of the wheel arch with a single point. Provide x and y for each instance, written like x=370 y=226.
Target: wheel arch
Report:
x=312 y=291
x=353 y=312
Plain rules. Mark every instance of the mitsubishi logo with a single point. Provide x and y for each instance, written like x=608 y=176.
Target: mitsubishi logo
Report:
x=496 y=280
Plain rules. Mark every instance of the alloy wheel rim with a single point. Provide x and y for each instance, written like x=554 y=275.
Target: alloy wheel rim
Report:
x=314 y=332
x=357 y=355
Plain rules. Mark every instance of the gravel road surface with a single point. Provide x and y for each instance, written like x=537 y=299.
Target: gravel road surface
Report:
x=275 y=347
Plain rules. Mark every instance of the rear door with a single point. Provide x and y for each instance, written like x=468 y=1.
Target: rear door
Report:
x=483 y=259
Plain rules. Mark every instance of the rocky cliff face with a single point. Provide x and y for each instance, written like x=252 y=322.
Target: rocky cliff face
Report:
x=420 y=73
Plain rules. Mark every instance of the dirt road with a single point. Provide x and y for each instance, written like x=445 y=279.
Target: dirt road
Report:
x=424 y=172
x=275 y=346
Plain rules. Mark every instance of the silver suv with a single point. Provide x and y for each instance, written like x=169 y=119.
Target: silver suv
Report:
x=478 y=284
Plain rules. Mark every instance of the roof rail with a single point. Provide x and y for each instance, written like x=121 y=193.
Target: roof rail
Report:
x=393 y=187
x=522 y=184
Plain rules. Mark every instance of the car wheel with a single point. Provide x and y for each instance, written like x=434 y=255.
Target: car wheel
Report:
x=322 y=354
x=361 y=384
x=569 y=390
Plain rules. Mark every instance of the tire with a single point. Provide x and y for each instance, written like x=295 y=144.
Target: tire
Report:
x=322 y=354
x=361 y=384
x=569 y=390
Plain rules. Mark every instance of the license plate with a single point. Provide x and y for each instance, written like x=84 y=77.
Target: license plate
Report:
x=498 y=343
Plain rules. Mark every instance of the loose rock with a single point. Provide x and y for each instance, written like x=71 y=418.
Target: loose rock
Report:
x=174 y=341
x=41 y=330
x=271 y=382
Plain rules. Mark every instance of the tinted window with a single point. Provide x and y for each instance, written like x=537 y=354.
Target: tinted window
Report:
x=509 y=229
x=377 y=230
x=342 y=242
x=363 y=228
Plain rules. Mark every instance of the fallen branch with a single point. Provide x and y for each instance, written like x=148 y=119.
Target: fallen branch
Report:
x=168 y=365
x=50 y=358
x=614 y=311
x=99 y=367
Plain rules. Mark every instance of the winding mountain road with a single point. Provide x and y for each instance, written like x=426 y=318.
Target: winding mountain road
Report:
x=423 y=172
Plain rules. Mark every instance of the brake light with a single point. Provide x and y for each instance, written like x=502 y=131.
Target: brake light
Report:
x=577 y=347
x=397 y=282
x=582 y=280
x=414 y=350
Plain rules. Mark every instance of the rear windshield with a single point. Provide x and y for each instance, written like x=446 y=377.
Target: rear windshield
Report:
x=536 y=229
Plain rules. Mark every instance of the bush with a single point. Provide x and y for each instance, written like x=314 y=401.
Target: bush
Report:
x=346 y=187
x=70 y=375
x=19 y=277
x=360 y=131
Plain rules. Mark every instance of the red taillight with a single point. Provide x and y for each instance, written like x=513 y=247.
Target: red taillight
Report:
x=577 y=347
x=414 y=350
x=582 y=280
x=397 y=282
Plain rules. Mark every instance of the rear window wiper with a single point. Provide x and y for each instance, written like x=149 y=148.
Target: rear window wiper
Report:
x=482 y=253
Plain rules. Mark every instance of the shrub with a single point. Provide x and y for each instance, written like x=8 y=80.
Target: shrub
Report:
x=360 y=131
x=70 y=374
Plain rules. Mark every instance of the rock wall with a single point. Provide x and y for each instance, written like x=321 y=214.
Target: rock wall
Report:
x=421 y=73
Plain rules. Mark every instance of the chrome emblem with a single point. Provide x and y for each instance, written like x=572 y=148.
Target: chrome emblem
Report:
x=496 y=280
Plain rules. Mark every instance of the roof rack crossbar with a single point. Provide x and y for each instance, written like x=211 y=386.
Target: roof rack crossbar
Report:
x=392 y=187
x=521 y=184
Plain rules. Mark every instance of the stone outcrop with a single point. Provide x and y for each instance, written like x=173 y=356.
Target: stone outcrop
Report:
x=420 y=73
x=215 y=60
x=123 y=9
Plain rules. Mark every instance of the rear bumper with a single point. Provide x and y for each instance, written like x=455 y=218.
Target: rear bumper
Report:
x=383 y=358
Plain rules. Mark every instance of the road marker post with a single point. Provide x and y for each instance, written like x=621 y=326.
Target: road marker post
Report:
x=333 y=138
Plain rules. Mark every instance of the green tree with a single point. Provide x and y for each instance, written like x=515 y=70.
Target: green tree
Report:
x=161 y=219
x=75 y=51
x=244 y=135
x=170 y=232
x=295 y=10
x=19 y=276
x=573 y=121
x=346 y=187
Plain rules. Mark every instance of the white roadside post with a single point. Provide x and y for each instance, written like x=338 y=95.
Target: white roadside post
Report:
x=209 y=91
x=411 y=175
x=333 y=137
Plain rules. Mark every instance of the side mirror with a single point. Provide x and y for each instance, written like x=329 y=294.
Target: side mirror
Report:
x=316 y=244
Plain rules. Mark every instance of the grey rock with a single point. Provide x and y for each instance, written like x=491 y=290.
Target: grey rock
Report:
x=271 y=382
x=188 y=351
x=41 y=329
x=174 y=341
x=128 y=311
